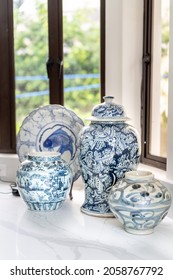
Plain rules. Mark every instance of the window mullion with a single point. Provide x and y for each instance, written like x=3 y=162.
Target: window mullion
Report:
x=55 y=23
x=102 y=45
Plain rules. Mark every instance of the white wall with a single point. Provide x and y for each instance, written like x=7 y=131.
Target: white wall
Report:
x=11 y=163
x=114 y=49
x=124 y=28
x=132 y=58
x=155 y=77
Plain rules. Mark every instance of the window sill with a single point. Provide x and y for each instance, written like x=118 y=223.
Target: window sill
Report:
x=69 y=234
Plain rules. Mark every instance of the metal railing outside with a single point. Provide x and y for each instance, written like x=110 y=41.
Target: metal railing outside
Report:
x=66 y=89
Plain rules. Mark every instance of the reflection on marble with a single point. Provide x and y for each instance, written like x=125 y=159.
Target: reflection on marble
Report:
x=67 y=233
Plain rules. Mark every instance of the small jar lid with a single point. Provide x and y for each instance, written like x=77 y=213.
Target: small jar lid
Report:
x=108 y=111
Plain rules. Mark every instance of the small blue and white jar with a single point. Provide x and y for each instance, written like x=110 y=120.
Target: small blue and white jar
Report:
x=139 y=201
x=108 y=148
x=43 y=181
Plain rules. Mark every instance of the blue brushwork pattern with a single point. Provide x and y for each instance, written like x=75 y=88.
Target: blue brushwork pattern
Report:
x=43 y=182
x=107 y=151
x=61 y=139
x=139 y=206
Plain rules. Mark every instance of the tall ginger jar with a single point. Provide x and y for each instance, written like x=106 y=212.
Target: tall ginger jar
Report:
x=109 y=147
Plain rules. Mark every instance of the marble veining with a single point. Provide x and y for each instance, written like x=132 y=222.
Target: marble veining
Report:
x=67 y=233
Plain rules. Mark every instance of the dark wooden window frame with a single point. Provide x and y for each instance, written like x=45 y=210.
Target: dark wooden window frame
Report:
x=146 y=157
x=7 y=87
x=7 y=77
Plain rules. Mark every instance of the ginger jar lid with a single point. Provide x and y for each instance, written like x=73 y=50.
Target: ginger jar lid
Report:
x=108 y=111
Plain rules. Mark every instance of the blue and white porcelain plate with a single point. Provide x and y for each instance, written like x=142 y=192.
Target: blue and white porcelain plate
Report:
x=51 y=128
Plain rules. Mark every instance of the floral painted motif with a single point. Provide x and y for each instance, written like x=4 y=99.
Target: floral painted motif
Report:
x=107 y=151
x=109 y=110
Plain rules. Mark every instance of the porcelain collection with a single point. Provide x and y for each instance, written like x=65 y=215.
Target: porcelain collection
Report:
x=55 y=148
x=109 y=147
x=43 y=181
x=139 y=201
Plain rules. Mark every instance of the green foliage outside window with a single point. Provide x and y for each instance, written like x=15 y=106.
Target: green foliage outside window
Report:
x=81 y=56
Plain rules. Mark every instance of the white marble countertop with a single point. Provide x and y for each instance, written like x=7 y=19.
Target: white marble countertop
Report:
x=68 y=234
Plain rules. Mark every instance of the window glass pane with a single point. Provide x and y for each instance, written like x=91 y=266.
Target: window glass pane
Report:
x=81 y=31
x=31 y=49
x=160 y=75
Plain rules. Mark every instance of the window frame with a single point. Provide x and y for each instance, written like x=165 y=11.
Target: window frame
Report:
x=7 y=78
x=146 y=157
x=7 y=83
